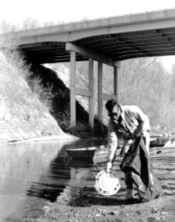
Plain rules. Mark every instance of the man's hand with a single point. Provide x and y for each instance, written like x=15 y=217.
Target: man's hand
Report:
x=108 y=167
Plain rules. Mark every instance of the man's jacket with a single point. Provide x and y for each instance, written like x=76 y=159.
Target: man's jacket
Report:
x=131 y=117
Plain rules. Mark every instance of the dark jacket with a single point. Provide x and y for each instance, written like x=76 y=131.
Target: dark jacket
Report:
x=138 y=162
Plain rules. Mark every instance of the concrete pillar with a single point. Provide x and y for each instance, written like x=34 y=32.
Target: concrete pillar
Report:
x=116 y=81
x=91 y=88
x=72 y=89
x=100 y=92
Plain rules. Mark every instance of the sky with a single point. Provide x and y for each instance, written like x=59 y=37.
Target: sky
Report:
x=58 y=11
x=73 y=10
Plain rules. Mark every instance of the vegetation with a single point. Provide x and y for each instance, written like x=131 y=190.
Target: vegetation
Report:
x=24 y=112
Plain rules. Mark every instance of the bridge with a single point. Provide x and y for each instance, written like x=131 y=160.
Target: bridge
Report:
x=106 y=40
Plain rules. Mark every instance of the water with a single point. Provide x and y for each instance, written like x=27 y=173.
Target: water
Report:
x=33 y=174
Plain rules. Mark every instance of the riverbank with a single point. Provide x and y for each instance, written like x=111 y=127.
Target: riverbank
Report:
x=63 y=136
x=162 y=209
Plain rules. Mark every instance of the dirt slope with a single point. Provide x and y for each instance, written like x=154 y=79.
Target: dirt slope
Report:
x=22 y=115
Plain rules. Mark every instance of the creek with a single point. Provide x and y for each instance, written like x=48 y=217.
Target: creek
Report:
x=35 y=173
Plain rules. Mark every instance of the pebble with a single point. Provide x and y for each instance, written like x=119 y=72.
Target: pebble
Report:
x=76 y=214
x=97 y=215
x=54 y=218
x=46 y=208
x=114 y=212
x=164 y=213
x=152 y=219
x=154 y=210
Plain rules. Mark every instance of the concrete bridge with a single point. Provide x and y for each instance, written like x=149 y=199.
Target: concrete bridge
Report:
x=106 y=40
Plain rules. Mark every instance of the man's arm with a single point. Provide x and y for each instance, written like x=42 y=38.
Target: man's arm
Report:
x=112 y=145
x=112 y=141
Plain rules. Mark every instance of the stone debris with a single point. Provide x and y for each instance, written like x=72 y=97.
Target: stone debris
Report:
x=154 y=210
x=97 y=215
x=114 y=212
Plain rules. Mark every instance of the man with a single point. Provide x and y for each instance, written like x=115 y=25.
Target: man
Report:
x=125 y=125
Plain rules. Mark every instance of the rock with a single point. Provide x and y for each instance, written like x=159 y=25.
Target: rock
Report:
x=154 y=210
x=164 y=213
x=54 y=217
x=114 y=212
x=151 y=219
x=46 y=208
x=97 y=215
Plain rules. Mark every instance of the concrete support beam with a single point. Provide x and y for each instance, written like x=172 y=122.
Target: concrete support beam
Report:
x=83 y=92
x=91 y=88
x=100 y=92
x=116 y=80
x=95 y=56
x=73 y=89
x=108 y=96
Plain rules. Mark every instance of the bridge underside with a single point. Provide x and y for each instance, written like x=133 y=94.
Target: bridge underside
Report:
x=117 y=47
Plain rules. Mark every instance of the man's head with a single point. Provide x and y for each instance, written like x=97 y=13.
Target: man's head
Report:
x=113 y=108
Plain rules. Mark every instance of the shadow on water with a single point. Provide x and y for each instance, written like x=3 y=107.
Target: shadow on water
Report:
x=61 y=171
x=52 y=182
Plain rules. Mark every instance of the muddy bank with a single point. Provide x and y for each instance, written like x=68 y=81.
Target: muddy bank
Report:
x=86 y=205
x=110 y=210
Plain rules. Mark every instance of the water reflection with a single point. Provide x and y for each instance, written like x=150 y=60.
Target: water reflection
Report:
x=33 y=173
x=51 y=182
